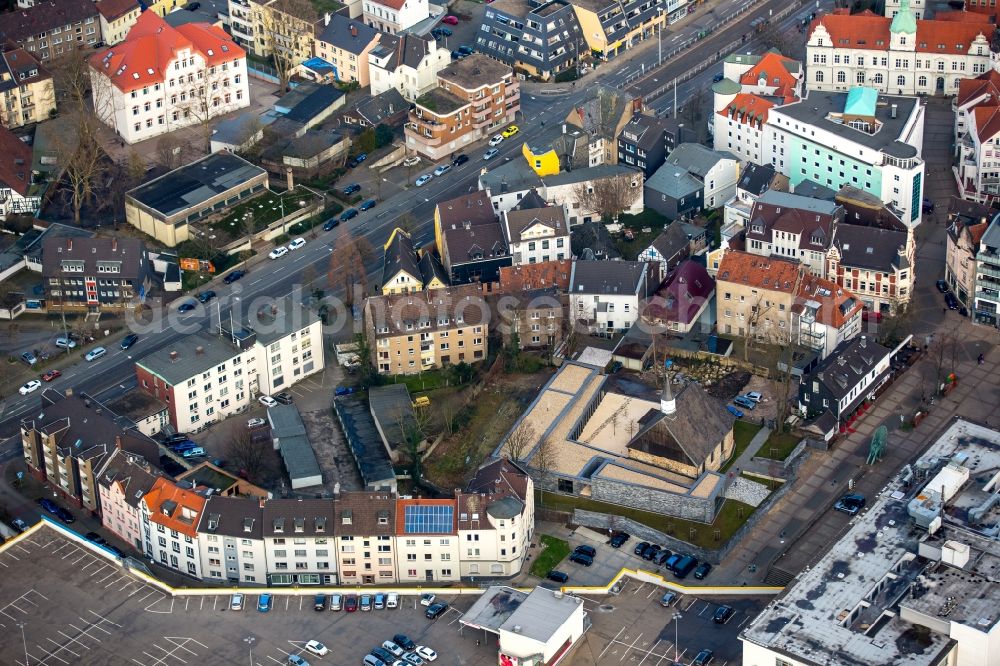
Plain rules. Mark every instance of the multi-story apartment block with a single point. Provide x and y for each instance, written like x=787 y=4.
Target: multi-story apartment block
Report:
x=474 y=97
x=241 y=22
x=27 y=92
x=170 y=516
x=537 y=234
x=898 y=55
x=345 y=43
x=122 y=483
x=407 y=63
x=231 y=538
x=366 y=529
x=216 y=375
x=163 y=78
x=986 y=306
x=51 y=28
x=299 y=542
x=95 y=274
x=17 y=193
x=967 y=222
x=395 y=16
x=793 y=227
x=875 y=264
x=540 y=39
x=861 y=139
x=408 y=333
x=427 y=543
x=606 y=294
x=496 y=520
x=977 y=135
x=117 y=18
x=611 y=27
x=646 y=141
x=284 y=27
x=535 y=316
x=68 y=441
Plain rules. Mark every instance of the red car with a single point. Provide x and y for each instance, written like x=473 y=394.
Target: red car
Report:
x=50 y=375
x=351 y=603
x=450 y=20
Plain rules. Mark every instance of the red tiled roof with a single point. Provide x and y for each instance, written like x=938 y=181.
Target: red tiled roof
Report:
x=858 y=31
x=984 y=84
x=760 y=272
x=963 y=17
x=749 y=108
x=948 y=36
x=866 y=30
x=15 y=162
x=976 y=232
x=837 y=305
x=987 y=121
x=774 y=67
x=395 y=4
x=151 y=46
x=516 y=279
x=174 y=507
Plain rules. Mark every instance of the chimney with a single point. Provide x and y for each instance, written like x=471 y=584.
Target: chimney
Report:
x=69 y=244
x=864 y=341
x=354 y=30
x=564 y=128
x=289 y=179
x=174 y=356
x=118 y=442
x=114 y=244
x=199 y=350
x=894 y=110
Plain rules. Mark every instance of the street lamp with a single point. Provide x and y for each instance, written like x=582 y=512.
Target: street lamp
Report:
x=659 y=39
x=677 y=621
x=24 y=641
x=249 y=640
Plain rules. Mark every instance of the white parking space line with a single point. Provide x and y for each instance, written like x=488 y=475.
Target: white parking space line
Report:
x=62 y=648
x=651 y=651
x=16 y=604
x=610 y=643
x=694 y=600
x=702 y=611
x=630 y=648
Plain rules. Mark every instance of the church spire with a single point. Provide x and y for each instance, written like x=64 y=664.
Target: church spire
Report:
x=668 y=405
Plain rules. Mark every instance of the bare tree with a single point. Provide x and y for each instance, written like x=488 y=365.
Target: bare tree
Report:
x=83 y=162
x=252 y=140
x=286 y=27
x=204 y=100
x=752 y=332
x=347 y=266
x=520 y=441
x=246 y=453
x=544 y=460
x=609 y=197
x=168 y=151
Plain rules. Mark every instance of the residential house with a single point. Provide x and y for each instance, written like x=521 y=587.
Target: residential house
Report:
x=536 y=235
x=286 y=28
x=95 y=274
x=602 y=117
x=18 y=195
x=560 y=148
x=717 y=171
x=824 y=315
x=162 y=78
x=366 y=537
x=793 y=227
x=427 y=543
x=27 y=92
x=387 y=108
x=412 y=332
x=535 y=317
x=170 y=517
x=611 y=27
x=986 y=305
x=977 y=124
x=300 y=545
x=899 y=55
x=219 y=373
x=572 y=189
x=51 y=28
x=496 y=520
x=540 y=39
x=645 y=142
x=875 y=264
x=241 y=22
x=678 y=241
x=967 y=223
x=470 y=239
x=860 y=138
x=848 y=377
x=395 y=16
x=673 y=192
x=405 y=270
x=231 y=539
x=684 y=301
x=474 y=97
x=117 y=17
x=124 y=479
x=345 y=43
x=755 y=179
x=527 y=277
x=407 y=63
x=605 y=295
x=66 y=443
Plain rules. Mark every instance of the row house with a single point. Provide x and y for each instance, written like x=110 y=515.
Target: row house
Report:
x=967 y=223
x=299 y=543
x=900 y=55
x=793 y=227
x=475 y=96
x=977 y=137
x=365 y=526
x=496 y=520
x=162 y=78
x=427 y=542
x=47 y=30
x=117 y=17
x=876 y=265
x=219 y=374
x=404 y=270
x=540 y=40
x=27 y=91
x=170 y=517
x=470 y=239
x=536 y=234
x=849 y=376
x=394 y=16
x=231 y=541
x=986 y=304
x=286 y=28
x=122 y=483
x=18 y=194
x=95 y=274
x=345 y=43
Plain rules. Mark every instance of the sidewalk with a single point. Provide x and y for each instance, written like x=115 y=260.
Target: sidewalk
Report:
x=745 y=462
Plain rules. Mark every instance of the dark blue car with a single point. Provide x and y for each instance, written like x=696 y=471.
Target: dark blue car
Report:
x=48 y=505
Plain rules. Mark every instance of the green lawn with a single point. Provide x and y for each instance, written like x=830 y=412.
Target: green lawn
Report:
x=743 y=432
x=266 y=209
x=552 y=554
x=425 y=381
x=732 y=515
x=778 y=446
x=630 y=249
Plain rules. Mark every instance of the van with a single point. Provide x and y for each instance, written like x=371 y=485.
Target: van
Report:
x=673 y=560
x=684 y=567
x=379 y=601
x=319 y=602
x=336 y=602
x=192 y=453
x=392 y=600
x=580 y=558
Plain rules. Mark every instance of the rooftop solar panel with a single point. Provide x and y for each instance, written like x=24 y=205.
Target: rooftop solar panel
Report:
x=428 y=519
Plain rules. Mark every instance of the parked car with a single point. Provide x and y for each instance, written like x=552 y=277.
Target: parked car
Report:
x=651 y=552
x=662 y=557
x=351 y=603
x=187 y=306
x=94 y=354
x=392 y=600
x=850 y=504
x=48 y=505
x=490 y=154
x=580 y=558
x=195 y=452
x=356 y=160
x=319 y=602
x=459 y=160
x=496 y=140
x=403 y=641
x=206 y=296
x=366 y=602
x=236 y=602
x=367 y=205
x=590 y=551
x=331 y=223
x=29 y=358
x=316 y=647
x=29 y=387
x=278 y=252
x=465 y=50
x=379 y=600
x=383 y=654
x=256 y=423
x=558 y=576
x=349 y=214
x=393 y=648
x=443 y=31
x=942 y=286
x=297 y=243
x=336 y=602
x=735 y=412
x=718 y=77
x=413 y=160
x=427 y=599
x=668 y=599
x=702 y=570
x=951 y=301
x=352 y=188
x=264 y=603
x=175 y=438
x=442 y=170
x=618 y=539
x=511 y=131
x=722 y=614
x=435 y=609
x=423 y=180
x=64 y=515
x=234 y=276
x=65 y=343
x=744 y=402
x=754 y=395
x=129 y=340
x=296 y=660
x=450 y=20
x=640 y=547
x=426 y=653
x=94 y=537
x=684 y=566
x=702 y=658
x=457 y=55
x=284 y=398
x=267 y=401
x=413 y=659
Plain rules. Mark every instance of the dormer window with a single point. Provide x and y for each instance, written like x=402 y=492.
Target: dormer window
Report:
x=279 y=525
x=300 y=525
x=346 y=517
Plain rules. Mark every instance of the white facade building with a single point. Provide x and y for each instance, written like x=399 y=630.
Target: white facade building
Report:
x=230 y=536
x=407 y=63
x=977 y=137
x=163 y=78
x=299 y=543
x=394 y=16
x=535 y=235
x=717 y=170
x=170 y=516
x=606 y=294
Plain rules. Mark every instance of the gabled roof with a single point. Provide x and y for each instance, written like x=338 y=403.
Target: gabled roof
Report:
x=684 y=293
x=131 y=473
x=689 y=435
x=351 y=35
x=833 y=305
x=465 y=242
x=431 y=270
x=377 y=109
x=127 y=254
x=545 y=274
x=15 y=163
x=516 y=222
x=174 y=507
x=238 y=517
x=114 y=9
x=18 y=24
x=23 y=69
x=812 y=222
x=847 y=365
x=601 y=114
x=531 y=200
x=987 y=120
x=770 y=273
x=987 y=84
x=777 y=71
x=286 y=518
x=747 y=108
x=872 y=32
x=671 y=241
x=610 y=278
x=399 y=257
x=406 y=49
x=474 y=208
x=365 y=513
x=697 y=159
x=756 y=178
x=870 y=247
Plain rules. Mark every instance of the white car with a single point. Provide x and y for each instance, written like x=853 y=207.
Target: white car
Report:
x=490 y=154
x=278 y=252
x=95 y=354
x=423 y=179
x=411 y=161
x=267 y=401
x=316 y=648
x=442 y=170
x=426 y=653
x=496 y=140
x=255 y=423
x=427 y=599
x=754 y=395
x=29 y=387
x=297 y=243
x=236 y=602
x=65 y=343
x=392 y=648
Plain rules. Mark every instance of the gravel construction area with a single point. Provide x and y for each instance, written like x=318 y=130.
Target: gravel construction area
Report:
x=749 y=492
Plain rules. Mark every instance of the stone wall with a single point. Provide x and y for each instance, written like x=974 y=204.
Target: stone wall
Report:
x=701 y=509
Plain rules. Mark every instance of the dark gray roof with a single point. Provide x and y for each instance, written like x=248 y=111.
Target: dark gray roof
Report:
x=756 y=178
x=845 y=367
x=474 y=242
x=18 y=24
x=133 y=472
x=430 y=268
x=380 y=107
x=673 y=240
x=128 y=255
x=649 y=131
x=400 y=256
x=366 y=444
x=285 y=421
x=195 y=183
x=531 y=200
x=813 y=190
x=815 y=109
x=673 y=181
x=552 y=217
x=365 y=513
x=348 y=34
x=406 y=49
x=195 y=354
x=311 y=144
x=697 y=159
x=698 y=426
x=238 y=517
x=314 y=103
x=608 y=277
x=392 y=409
x=870 y=247
x=510 y=177
x=991 y=237
x=286 y=518
x=589 y=174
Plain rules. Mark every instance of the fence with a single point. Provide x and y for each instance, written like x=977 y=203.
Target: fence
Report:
x=263 y=72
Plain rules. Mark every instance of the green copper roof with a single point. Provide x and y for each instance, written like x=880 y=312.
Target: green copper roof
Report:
x=861 y=102
x=726 y=87
x=904 y=21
